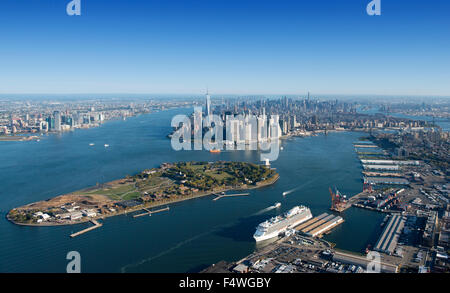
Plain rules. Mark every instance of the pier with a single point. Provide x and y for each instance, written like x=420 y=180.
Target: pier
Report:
x=390 y=235
x=96 y=225
x=230 y=195
x=319 y=225
x=149 y=212
x=352 y=201
x=365 y=146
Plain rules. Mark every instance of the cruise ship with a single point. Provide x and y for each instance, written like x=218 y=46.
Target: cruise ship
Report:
x=276 y=225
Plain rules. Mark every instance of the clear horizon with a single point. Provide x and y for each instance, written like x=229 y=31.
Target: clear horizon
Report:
x=240 y=47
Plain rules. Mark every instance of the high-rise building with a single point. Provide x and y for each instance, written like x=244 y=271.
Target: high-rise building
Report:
x=261 y=127
x=57 y=116
x=50 y=123
x=248 y=130
x=208 y=104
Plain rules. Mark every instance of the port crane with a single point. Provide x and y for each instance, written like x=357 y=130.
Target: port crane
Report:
x=338 y=201
x=367 y=187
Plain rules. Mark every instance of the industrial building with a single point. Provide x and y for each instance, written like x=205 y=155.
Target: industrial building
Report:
x=386 y=180
x=391 y=232
x=309 y=222
x=363 y=262
x=319 y=225
x=389 y=162
x=326 y=227
x=382 y=167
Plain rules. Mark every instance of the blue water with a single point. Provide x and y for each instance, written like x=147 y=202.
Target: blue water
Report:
x=193 y=233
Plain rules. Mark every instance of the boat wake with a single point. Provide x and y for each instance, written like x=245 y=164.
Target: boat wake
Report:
x=298 y=187
x=290 y=191
x=277 y=205
x=178 y=245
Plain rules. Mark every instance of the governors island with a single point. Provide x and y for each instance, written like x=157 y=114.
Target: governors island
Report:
x=170 y=183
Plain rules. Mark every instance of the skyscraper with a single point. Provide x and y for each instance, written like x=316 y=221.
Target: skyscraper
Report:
x=57 y=115
x=208 y=104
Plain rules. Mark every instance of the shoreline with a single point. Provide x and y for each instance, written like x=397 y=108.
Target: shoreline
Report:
x=35 y=136
x=10 y=138
x=265 y=183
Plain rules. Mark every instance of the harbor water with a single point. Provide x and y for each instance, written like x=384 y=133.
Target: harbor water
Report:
x=194 y=233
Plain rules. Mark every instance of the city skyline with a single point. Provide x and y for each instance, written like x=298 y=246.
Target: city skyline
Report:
x=236 y=47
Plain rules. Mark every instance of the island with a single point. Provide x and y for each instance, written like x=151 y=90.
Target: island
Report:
x=169 y=183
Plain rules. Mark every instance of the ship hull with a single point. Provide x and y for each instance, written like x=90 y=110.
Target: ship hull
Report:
x=273 y=234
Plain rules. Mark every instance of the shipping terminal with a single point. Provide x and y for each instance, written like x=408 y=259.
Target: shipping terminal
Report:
x=301 y=219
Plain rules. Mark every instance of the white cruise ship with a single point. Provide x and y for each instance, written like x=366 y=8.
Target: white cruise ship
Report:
x=276 y=225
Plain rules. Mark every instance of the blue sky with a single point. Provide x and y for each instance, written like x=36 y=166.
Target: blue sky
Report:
x=231 y=46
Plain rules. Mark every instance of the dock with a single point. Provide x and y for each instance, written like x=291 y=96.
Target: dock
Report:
x=319 y=225
x=311 y=221
x=149 y=212
x=386 y=180
x=389 y=237
x=352 y=201
x=365 y=146
x=219 y=196
x=96 y=225
x=324 y=228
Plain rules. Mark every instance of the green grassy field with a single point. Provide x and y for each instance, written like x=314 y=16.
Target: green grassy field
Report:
x=117 y=193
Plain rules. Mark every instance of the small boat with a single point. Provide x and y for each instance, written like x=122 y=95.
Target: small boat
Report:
x=214 y=151
x=277 y=205
x=91 y=144
x=106 y=145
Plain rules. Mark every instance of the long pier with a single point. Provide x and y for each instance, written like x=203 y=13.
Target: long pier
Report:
x=351 y=201
x=149 y=212
x=319 y=225
x=96 y=225
x=365 y=146
x=230 y=195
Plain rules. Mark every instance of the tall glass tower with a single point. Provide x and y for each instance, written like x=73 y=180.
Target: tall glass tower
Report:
x=208 y=104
